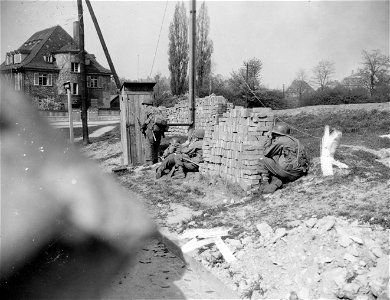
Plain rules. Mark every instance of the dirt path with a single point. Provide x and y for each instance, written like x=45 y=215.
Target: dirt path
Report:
x=158 y=274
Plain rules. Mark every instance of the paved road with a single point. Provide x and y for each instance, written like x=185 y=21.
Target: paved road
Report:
x=64 y=124
x=158 y=274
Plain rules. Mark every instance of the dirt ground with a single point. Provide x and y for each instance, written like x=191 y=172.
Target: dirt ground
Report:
x=318 y=237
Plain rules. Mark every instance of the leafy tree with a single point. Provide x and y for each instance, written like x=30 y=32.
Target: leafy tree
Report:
x=247 y=79
x=162 y=89
x=322 y=73
x=178 y=49
x=375 y=71
x=204 y=49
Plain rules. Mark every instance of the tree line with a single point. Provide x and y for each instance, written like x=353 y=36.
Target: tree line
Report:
x=370 y=83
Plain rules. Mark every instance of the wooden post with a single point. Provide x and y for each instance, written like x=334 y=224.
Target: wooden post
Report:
x=70 y=113
x=124 y=126
x=97 y=27
x=82 y=83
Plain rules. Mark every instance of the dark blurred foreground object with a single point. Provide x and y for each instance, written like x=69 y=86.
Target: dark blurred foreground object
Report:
x=66 y=228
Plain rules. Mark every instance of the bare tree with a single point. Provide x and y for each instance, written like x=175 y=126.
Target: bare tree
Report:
x=204 y=49
x=178 y=49
x=322 y=73
x=299 y=86
x=375 y=69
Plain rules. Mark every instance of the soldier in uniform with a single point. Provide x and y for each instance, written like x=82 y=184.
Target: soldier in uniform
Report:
x=152 y=137
x=185 y=160
x=284 y=159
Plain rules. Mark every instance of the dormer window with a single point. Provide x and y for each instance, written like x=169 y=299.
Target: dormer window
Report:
x=49 y=58
x=17 y=58
x=75 y=67
x=9 y=59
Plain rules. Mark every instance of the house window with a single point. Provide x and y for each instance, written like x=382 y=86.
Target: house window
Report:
x=10 y=59
x=48 y=58
x=92 y=81
x=75 y=67
x=75 y=88
x=18 y=58
x=43 y=79
x=18 y=81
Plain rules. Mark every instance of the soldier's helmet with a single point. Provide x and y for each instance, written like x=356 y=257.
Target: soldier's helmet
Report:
x=281 y=128
x=147 y=101
x=199 y=133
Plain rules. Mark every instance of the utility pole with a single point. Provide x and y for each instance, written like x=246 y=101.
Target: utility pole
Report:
x=247 y=72
x=192 y=62
x=108 y=57
x=82 y=83
x=138 y=68
x=283 y=90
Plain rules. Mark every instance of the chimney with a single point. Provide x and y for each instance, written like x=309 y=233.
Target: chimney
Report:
x=76 y=28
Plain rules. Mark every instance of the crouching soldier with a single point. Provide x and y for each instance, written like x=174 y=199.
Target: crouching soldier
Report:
x=186 y=160
x=173 y=147
x=284 y=159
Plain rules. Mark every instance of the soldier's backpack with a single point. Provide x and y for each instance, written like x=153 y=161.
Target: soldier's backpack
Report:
x=160 y=123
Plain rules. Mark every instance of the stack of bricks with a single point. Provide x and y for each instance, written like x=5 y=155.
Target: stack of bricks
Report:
x=233 y=146
x=205 y=110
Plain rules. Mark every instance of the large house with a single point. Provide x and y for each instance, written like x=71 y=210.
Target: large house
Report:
x=47 y=60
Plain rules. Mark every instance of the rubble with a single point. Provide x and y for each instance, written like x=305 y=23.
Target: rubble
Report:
x=294 y=265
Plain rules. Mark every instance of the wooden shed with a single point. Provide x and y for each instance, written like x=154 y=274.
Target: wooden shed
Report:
x=132 y=139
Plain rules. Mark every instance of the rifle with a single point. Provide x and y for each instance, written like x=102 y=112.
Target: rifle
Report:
x=189 y=160
x=140 y=125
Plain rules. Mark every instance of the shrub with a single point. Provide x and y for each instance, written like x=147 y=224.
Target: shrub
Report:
x=48 y=104
x=342 y=95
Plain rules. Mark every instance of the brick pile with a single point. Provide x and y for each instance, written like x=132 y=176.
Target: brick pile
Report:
x=234 y=143
x=206 y=109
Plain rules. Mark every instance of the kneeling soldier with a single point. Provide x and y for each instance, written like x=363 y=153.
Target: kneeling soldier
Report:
x=284 y=159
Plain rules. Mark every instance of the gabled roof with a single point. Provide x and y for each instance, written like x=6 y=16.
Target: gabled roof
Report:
x=299 y=84
x=94 y=66
x=55 y=40
x=34 y=44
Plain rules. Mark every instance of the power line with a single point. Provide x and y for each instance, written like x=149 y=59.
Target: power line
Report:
x=158 y=40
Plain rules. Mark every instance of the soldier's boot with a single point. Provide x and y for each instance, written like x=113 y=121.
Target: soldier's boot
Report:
x=159 y=172
x=268 y=187
x=179 y=173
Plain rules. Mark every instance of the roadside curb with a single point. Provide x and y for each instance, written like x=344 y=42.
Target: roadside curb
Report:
x=171 y=241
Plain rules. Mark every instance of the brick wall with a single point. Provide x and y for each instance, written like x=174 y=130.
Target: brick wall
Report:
x=233 y=141
x=233 y=145
x=205 y=110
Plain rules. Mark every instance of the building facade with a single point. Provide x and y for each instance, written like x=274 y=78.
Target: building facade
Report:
x=47 y=60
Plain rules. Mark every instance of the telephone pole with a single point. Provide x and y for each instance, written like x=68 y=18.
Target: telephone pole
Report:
x=82 y=82
x=108 y=57
x=192 y=61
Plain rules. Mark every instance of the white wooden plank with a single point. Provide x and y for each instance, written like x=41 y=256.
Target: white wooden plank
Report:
x=226 y=253
x=205 y=233
x=195 y=244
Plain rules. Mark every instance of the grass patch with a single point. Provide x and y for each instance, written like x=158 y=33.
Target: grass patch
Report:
x=358 y=127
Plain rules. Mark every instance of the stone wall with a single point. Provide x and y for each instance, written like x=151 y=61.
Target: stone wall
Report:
x=39 y=91
x=205 y=110
x=233 y=145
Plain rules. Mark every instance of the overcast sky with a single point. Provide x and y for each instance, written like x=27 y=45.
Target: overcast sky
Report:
x=285 y=35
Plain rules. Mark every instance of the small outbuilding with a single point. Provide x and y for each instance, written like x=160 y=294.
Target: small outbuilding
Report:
x=132 y=95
